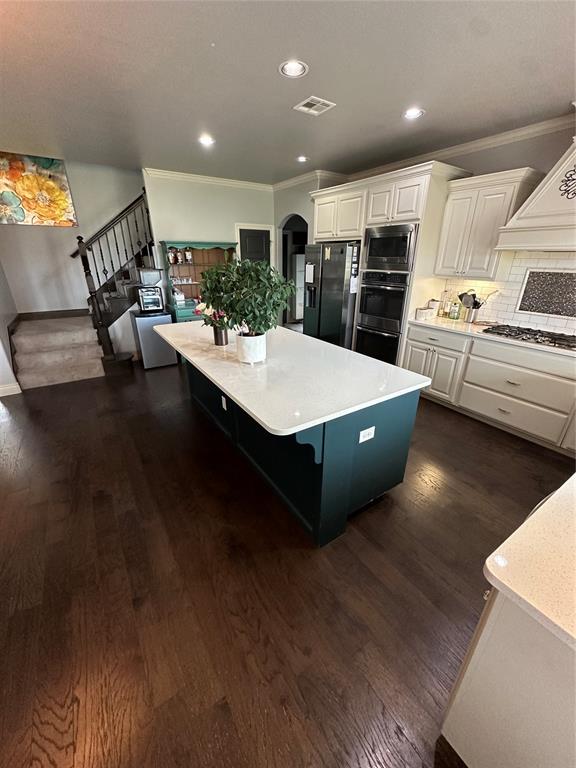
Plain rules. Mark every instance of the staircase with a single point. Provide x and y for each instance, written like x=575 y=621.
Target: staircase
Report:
x=116 y=261
x=55 y=351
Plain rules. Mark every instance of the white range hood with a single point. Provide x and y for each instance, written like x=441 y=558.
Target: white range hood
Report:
x=547 y=220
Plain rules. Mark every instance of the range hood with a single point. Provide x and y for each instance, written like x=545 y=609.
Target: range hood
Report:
x=547 y=220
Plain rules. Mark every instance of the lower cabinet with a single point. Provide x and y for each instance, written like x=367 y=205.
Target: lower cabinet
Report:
x=443 y=366
x=530 y=391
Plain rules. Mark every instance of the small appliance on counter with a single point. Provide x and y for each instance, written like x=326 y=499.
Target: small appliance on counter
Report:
x=150 y=299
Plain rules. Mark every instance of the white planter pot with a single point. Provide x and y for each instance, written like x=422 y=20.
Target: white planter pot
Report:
x=251 y=349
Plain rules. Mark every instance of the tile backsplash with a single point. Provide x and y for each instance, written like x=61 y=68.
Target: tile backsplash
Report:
x=501 y=307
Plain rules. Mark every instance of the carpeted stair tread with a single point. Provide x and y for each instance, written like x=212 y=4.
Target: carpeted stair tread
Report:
x=57 y=333
x=67 y=356
x=44 y=377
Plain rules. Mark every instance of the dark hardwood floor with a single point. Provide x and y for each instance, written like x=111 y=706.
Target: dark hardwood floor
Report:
x=160 y=608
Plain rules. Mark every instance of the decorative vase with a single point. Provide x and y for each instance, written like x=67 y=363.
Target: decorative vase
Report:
x=251 y=349
x=220 y=336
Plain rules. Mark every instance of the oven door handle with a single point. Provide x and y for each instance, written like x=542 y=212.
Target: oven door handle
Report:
x=384 y=287
x=378 y=333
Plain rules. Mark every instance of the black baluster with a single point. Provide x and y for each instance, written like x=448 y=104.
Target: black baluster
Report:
x=113 y=273
x=97 y=319
x=124 y=242
x=104 y=270
x=139 y=262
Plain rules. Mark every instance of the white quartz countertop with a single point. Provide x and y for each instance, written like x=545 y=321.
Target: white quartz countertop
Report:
x=303 y=382
x=536 y=566
x=473 y=329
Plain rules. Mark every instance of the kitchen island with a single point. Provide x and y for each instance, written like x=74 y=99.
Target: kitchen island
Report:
x=329 y=429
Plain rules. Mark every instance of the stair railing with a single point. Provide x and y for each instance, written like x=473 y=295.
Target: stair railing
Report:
x=97 y=317
x=110 y=259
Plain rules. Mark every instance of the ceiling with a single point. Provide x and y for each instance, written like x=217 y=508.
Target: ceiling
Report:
x=133 y=84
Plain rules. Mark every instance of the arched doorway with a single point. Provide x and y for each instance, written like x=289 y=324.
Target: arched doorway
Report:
x=294 y=239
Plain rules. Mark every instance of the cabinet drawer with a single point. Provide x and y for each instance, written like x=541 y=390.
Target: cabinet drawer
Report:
x=547 y=391
x=545 y=362
x=527 y=417
x=445 y=339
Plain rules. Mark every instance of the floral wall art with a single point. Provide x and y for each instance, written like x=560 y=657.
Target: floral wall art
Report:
x=35 y=190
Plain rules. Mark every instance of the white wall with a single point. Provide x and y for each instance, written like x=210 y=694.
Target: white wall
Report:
x=539 y=152
x=8 y=383
x=36 y=260
x=184 y=207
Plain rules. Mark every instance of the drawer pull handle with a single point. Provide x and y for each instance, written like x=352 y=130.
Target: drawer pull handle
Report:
x=514 y=383
x=432 y=338
x=503 y=410
x=486 y=594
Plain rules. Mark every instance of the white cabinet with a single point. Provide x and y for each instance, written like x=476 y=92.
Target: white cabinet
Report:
x=441 y=365
x=569 y=441
x=475 y=211
x=402 y=200
x=455 y=232
x=325 y=217
x=350 y=214
x=408 y=200
x=339 y=215
x=492 y=210
x=380 y=204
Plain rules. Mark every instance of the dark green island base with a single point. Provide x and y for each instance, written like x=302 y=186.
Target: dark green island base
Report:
x=322 y=473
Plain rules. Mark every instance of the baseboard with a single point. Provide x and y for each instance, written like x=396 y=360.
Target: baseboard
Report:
x=9 y=389
x=53 y=314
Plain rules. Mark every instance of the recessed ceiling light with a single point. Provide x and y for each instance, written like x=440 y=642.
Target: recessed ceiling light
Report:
x=413 y=113
x=206 y=140
x=302 y=159
x=293 y=68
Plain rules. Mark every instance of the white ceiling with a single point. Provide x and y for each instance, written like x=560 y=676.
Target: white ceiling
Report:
x=133 y=84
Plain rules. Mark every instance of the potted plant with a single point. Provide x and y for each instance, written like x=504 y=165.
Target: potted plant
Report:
x=214 y=291
x=254 y=298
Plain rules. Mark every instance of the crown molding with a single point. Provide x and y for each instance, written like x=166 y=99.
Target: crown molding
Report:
x=553 y=125
x=316 y=177
x=197 y=179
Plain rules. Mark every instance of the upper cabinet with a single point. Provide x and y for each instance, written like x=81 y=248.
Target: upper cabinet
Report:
x=475 y=211
x=345 y=211
x=325 y=217
x=399 y=201
x=339 y=215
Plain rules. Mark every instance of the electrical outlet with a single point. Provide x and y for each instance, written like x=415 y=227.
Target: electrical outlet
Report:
x=224 y=404
x=366 y=434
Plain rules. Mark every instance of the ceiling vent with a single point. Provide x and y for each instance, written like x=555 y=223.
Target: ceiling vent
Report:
x=314 y=106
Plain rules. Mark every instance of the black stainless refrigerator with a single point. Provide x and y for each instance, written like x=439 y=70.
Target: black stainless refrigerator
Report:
x=330 y=288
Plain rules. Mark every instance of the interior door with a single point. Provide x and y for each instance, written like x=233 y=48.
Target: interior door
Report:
x=455 y=234
x=255 y=244
x=491 y=212
x=444 y=367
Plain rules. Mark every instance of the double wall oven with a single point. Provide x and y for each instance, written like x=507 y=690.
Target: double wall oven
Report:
x=389 y=253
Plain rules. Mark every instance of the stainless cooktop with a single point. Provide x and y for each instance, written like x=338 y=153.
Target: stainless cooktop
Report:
x=533 y=335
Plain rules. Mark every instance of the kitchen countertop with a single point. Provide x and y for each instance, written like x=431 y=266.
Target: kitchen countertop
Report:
x=303 y=382
x=536 y=566
x=475 y=330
